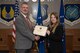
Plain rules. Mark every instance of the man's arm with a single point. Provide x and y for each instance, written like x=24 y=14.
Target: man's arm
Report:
x=20 y=26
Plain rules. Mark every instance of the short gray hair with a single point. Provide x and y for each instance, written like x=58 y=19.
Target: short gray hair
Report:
x=23 y=3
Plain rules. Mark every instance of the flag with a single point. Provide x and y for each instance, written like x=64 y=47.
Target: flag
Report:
x=41 y=45
x=39 y=15
x=62 y=22
x=13 y=31
x=16 y=8
x=61 y=12
x=16 y=14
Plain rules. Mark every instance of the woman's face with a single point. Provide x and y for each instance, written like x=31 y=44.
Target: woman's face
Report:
x=53 y=19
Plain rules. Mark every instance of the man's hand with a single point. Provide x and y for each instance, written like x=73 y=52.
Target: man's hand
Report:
x=37 y=38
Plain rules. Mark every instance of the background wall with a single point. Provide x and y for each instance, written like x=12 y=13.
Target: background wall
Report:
x=53 y=5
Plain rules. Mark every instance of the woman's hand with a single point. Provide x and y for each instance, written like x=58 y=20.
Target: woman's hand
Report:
x=48 y=32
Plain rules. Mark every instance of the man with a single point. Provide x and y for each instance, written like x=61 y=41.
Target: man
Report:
x=24 y=34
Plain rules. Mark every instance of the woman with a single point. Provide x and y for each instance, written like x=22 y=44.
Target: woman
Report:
x=55 y=33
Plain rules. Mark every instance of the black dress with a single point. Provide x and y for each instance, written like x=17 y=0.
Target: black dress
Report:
x=55 y=40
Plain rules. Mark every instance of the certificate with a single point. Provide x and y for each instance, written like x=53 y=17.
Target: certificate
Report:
x=40 y=30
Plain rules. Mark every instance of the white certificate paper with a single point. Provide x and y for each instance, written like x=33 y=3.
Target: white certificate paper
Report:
x=40 y=30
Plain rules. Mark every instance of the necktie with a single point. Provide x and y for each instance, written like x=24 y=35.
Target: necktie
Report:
x=29 y=22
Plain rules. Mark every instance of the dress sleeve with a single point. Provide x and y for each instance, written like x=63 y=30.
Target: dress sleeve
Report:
x=57 y=35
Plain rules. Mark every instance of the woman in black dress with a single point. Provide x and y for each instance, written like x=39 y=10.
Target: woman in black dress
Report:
x=54 y=35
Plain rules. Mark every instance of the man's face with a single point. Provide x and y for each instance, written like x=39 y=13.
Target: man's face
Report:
x=24 y=8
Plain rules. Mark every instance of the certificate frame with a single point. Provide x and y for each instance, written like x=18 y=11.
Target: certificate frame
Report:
x=40 y=30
